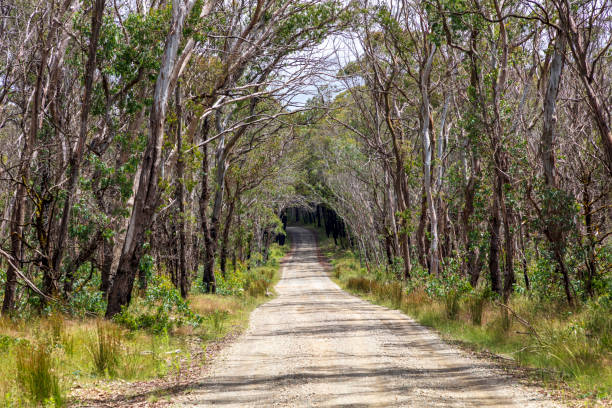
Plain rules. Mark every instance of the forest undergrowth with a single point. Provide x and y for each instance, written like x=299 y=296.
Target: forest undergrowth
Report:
x=568 y=350
x=45 y=357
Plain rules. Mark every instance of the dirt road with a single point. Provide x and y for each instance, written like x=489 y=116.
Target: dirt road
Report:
x=317 y=346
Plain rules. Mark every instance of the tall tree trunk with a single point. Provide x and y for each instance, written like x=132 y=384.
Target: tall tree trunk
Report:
x=524 y=255
x=471 y=250
x=591 y=265
x=391 y=214
x=500 y=157
x=211 y=238
x=107 y=266
x=182 y=278
x=509 y=277
x=427 y=161
x=204 y=201
x=145 y=201
x=225 y=233
x=494 y=245
x=76 y=155
x=553 y=229
x=420 y=232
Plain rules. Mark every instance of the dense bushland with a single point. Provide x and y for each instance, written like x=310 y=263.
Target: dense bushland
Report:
x=153 y=151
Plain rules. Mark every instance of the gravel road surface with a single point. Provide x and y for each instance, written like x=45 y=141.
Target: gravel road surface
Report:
x=317 y=346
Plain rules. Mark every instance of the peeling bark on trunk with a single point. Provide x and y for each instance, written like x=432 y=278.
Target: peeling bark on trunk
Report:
x=472 y=252
x=182 y=278
x=427 y=161
x=553 y=230
x=145 y=201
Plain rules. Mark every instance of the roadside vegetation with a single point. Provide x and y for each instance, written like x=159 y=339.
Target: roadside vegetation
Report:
x=567 y=349
x=159 y=335
x=151 y=152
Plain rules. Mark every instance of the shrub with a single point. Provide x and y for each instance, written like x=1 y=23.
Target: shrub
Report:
x=217 y=319
x=396 y=292
x=598 y=322
x=233 y=283
x=414 y=298
x=476 y=303
x=105 y=348
x=6 y=342
x=126 y=319
x=257 y=288
x=451 y=303
x=88 y=299
x=359 y=284
x=36 y=375
x=259 y=281
x=449 y=289
x=158 y=322
x=160 y=311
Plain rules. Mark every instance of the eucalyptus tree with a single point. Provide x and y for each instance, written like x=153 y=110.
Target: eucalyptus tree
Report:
x=146 y=197
x=483 y=101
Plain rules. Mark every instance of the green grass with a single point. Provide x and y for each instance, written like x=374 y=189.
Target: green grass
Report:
x=43 y=357
x=572 y=350
x=37 y=376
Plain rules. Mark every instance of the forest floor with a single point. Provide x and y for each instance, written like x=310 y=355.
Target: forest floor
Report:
x=316 y=345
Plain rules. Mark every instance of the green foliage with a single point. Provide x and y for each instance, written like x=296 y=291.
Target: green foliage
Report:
x=160 y=310
x=259 y=281
x=558 y=210
x=308 y=23
x=36 y=375
x=233 y=284
x=217 y=319
x=156 y=322
x=597 y=322
x=7 y=342
x=87 y=299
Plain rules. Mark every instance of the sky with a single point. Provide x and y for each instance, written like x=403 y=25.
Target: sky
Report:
x=322 y=63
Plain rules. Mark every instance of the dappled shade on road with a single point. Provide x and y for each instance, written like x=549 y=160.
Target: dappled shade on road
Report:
x=315 y=345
